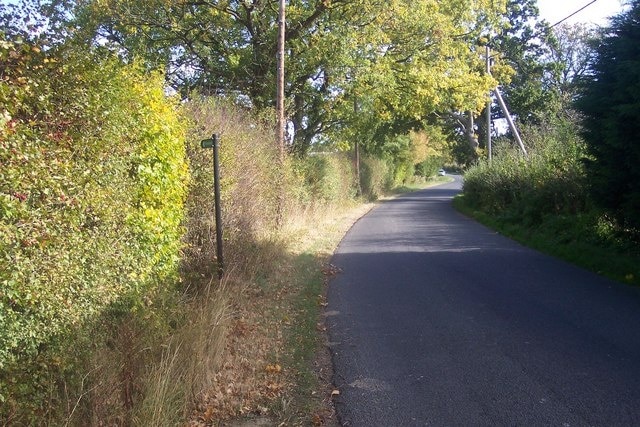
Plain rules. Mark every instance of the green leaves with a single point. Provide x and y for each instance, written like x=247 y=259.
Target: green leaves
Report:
x=80 y=229
x=410 y=58
x=611 y=106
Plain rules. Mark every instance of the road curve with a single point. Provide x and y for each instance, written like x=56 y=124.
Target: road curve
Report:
x=437 y=320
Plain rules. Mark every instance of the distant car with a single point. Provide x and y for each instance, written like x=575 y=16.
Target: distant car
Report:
x=442 y=172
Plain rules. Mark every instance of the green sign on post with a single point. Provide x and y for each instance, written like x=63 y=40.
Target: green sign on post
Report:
x=208 y=143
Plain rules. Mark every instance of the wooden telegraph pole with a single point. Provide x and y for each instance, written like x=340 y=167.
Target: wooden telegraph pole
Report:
x=488 y=108
x=280 y=81
x=280 y=119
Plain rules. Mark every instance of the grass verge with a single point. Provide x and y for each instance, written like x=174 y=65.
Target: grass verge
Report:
x=307 y=354
x=585 y=240
x=276 y=368
x=408 y=188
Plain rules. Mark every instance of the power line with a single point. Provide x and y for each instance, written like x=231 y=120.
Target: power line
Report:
x=574 y=13
x=559 y=22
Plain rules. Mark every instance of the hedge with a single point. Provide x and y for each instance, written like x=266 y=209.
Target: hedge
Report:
x=92 y=185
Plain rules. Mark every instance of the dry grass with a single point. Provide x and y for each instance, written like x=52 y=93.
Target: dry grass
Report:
x=256 y=375
x=188 y=361
x=246 y=349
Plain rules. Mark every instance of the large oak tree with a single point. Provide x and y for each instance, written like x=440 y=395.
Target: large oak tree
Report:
x=398 y=60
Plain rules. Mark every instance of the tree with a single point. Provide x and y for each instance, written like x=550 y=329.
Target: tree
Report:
x=574 y=53
x=432 y=69
x=611 y=105
x=408 y=58
x=525 y=45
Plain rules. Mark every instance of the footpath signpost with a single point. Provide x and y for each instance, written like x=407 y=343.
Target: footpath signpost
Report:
x=213 y=142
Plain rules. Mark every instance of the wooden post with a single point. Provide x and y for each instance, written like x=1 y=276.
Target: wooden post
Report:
x=214 y=142
x=280 y=131
x=488 y=108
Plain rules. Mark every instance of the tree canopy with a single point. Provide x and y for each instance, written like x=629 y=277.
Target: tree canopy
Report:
x=525 y=44
x=402 y=60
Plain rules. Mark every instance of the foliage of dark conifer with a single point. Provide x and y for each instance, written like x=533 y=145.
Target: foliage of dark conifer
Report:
x=611 y=106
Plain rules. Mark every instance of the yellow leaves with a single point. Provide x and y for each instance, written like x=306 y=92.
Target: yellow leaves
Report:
x=273 y=369
x=419 y=64
x=502 y=72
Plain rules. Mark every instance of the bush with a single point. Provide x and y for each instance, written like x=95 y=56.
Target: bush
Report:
x=92 y=187
x=550 y=182
x=429 y=167
x=328 y=177
x=376 y=178
x=251 y=179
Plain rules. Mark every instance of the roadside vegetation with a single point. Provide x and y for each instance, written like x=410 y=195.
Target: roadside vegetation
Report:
x=544 y=202
x=576 y=194
x=178 y=345
x=111 y=310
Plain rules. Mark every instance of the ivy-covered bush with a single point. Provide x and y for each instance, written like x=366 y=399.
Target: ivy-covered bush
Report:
x=92 y=186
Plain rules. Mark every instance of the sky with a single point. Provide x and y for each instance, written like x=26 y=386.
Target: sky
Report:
x=597 y=13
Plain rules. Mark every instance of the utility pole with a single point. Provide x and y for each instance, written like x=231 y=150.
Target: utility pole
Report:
x=280 y=120
x=280 y=81
x=512 y=125
x=357 y=152
x=488 y=108
x=505 y=111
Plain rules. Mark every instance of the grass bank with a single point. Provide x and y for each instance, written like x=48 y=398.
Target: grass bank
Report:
x=586 y=239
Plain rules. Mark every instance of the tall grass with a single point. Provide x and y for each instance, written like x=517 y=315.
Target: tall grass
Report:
x=188 y=360
x=223 y=358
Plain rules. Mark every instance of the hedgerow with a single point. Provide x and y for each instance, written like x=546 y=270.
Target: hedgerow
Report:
x=92 y=186
x=93 y=202
x=376 y=177
x=550 y=182
x=250 y=179
x=328 y=177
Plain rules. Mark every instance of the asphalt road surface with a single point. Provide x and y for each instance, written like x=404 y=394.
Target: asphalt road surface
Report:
x=437 y=320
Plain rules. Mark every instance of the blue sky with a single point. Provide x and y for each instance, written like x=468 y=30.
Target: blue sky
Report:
x=596 y=13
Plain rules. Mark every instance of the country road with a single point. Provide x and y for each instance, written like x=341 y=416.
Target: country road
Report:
x=436 y=320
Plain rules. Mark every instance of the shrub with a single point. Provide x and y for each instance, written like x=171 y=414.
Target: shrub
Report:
x=328 y=177
x=376 y=177
x=251 y=178
x=92 y=187
x=551 y=181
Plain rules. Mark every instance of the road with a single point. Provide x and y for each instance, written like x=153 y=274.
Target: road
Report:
x=436 y=320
